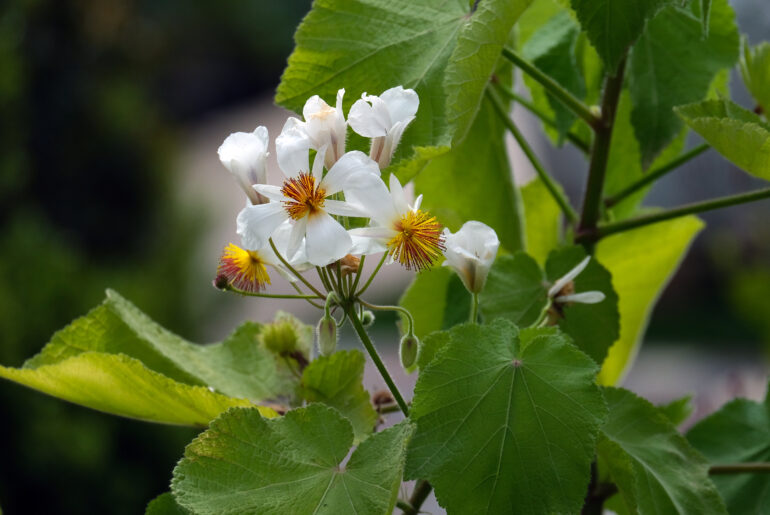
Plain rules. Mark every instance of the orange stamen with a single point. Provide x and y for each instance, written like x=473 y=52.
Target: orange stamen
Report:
x=306 y=197
x=419 y=241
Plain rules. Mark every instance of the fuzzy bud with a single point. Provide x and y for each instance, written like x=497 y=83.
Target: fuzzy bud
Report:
x=326 y=333
x=221 y=282
x=367 y=318
x=407 y=350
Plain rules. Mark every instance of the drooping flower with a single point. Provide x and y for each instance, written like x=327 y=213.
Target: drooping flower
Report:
x=384 y=118
x=563 y=289
x=410 y=236
x=304 y=200
x=470 y=252
x=324 y=126
x=244 y=154
x=245 y=269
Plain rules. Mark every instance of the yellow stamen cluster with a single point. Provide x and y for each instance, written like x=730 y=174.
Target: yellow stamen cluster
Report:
x=419 y=242
x=305 y=197
x=243 y=269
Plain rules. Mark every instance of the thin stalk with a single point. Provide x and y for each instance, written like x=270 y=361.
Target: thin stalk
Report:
x=421 y=492
x=474 y=319
x=293 y=271
x=404 y=311
x=367 y=342
x=554 y=88
x=267 y=295
x=550 y=184
x=601 y=150
x=358 y=273
x=532 y=108
x=299 y=290
x=689 y=209
x=740 y=468
x=656 y=174
x=371 y=277
x=324 y=278
x=338 y=270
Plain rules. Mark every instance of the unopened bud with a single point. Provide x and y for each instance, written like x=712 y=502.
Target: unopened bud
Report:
x=367 y=318
x=408 y=350
x=326 y=333
x=220 y=282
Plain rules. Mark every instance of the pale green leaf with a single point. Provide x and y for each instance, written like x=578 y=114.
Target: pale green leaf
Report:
x=592 y=327
x=336 y=381
x=738 y=433
x=515 y=290
x=165 y=504
x=673 y=64
x=614 y=25
x=755 y=70
x=437 y=300
x=641 y=262
x=739 y=135
x=500 y=423
x=542 y=220
x=292 y=464
x=654 y=467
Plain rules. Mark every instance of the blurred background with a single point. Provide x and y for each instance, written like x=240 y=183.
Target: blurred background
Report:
x=111 y=112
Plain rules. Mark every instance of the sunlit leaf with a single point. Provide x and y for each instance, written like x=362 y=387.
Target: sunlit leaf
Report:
x=755 y=70
x=542 y=220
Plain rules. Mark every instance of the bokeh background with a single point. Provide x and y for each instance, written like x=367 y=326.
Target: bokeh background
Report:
x=111 y=112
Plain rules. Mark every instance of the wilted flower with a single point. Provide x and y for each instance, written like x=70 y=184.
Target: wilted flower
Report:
x=470 y=252
x=246 y=269
x=244 y=154
x=563 y=290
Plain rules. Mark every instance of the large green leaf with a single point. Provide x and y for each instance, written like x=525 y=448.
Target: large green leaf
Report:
x=738 y=433
x=293 y=464
x=116 y=359
x=614 y=25
x=515 y=290
x=755 y=70
x=641 y=262
x=336 y=381
x=739 y=135
x=474 y=182
x=165 y=504
x=542 y=220
x=592 y=327
x=501 y=421
x=437 y=300
x=475 y=58
x=673 y=64
x=654 y=467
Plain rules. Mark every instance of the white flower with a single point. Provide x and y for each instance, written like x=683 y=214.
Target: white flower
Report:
x=411 y=236
x=244 y=155
x=384 y=118
x=304 y=200
x=470 y=252
x=324 y=126
x=557 y=292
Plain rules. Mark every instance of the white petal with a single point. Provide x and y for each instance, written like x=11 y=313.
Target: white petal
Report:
x=270 y=191
x=417 y=203
x=392 y=140
x=295 y=238
x=326 y=240
x=255 y=224
x=586 y=297
x=365 y=246
x=352 y=163
x=292 y=148
x=402 y=103
x=342 y=208
x=370 y=195
x=244 y=155
x=399 y=198
x=318 y=163
x=568 y=277
x=383 y=234
x=368 y=121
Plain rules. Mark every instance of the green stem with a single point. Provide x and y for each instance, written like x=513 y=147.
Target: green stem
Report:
x=690 y=209
x=351 y=312
x=299 y=290
x=268 y=295
x=549 y=183
x=532 y=108
x=601 y=150
x=293 y=271
x=554 y=88
x=655 y=174
x=371 y=277
x=358 y=273
x=404 y=311
x=324 y=278
x=474 y=319
x=421 y=492
x=740 y=468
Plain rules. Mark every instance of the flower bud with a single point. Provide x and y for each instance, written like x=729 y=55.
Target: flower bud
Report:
x=408 y=350
x=367 y=318
x=221 y=282
x=326 y=333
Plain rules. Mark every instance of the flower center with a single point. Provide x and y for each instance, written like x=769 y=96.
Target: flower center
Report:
x=244 y=269
x=305 y=197
x=419 y=241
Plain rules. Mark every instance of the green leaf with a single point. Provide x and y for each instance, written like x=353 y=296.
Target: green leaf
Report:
x=500 y=423
x=371 y=46
x=515 y=290
x=678 y=410
x=437 y=300
x=614 y=25
x=592 y=327
x=542 y=220
x=165 y=504
x=739 y=135
x=431 y=345
x=673 y=64
x=117 y=360
x=705 y=16
x=755 y=70
x=487 y=194
x=336 y=381
x=293 y=464
x=641 y=262
x=738 y=433
x=474 y=59
x=654 y=467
